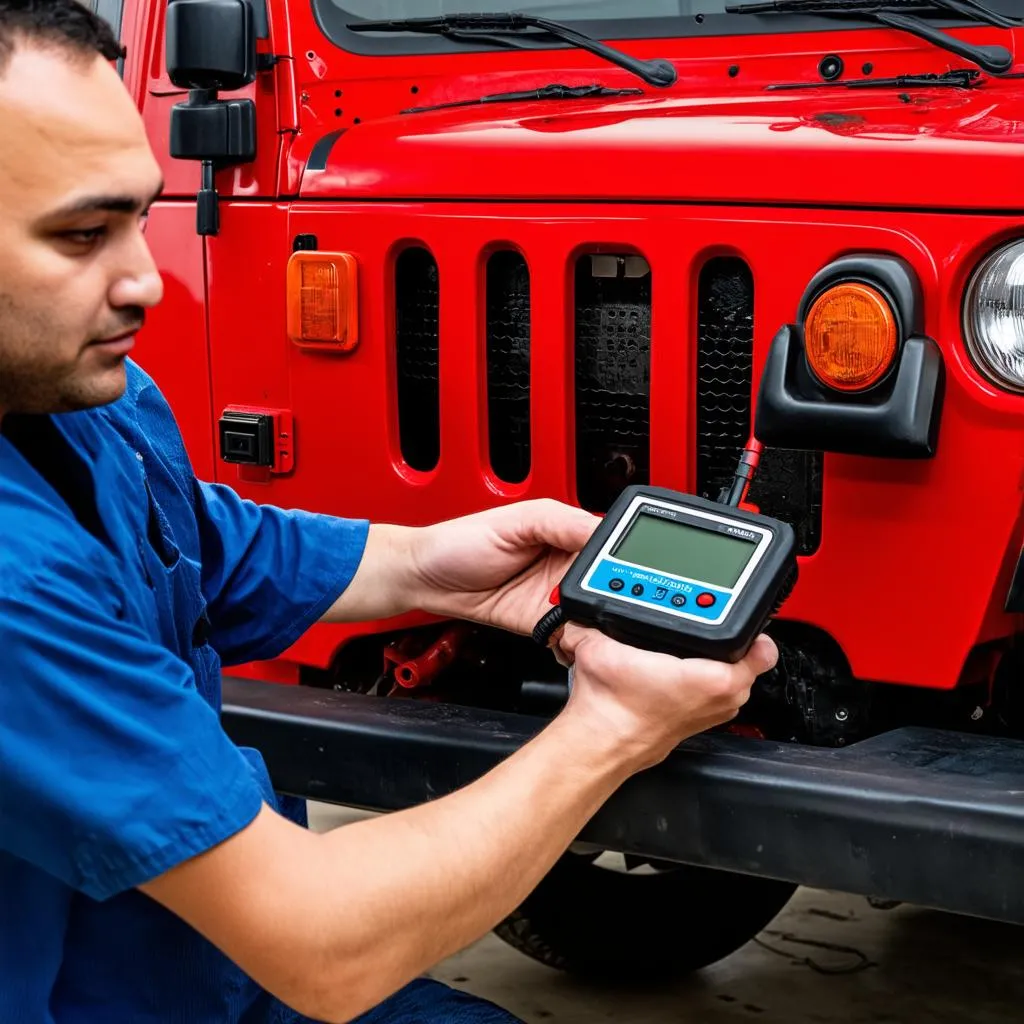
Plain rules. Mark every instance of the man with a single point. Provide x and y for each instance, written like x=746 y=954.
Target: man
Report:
x=148 y=873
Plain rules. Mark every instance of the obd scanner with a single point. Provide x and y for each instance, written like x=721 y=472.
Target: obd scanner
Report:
x=680 y=574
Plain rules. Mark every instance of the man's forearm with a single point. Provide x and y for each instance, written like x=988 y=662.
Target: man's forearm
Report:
x=380 y=588
x=347 y=918
x=445 y=873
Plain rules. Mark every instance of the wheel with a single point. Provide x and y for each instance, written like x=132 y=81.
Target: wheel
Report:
x=647 y=923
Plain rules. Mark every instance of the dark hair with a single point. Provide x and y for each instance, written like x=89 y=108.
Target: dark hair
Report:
x=67 y=24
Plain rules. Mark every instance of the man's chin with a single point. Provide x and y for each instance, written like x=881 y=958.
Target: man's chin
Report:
x=99 y=389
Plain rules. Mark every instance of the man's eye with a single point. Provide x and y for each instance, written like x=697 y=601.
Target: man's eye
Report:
x=85 y=236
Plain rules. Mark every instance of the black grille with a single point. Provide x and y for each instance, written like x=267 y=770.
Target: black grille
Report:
x=788 y=484
x=416 y=344
x=508 y=365
x=613 y=375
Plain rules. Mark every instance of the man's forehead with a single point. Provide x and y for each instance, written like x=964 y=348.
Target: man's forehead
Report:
x=69 y=128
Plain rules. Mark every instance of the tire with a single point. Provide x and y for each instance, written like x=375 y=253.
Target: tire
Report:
x=589 y=920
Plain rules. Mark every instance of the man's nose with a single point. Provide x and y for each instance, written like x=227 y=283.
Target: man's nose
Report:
x=145 y=290
x=140 y=284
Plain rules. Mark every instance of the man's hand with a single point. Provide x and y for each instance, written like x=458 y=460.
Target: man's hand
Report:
x=496 y=567
x=499 y=567
x=639 y=705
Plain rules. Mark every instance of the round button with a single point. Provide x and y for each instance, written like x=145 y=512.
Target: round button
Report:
x=705 y=600
x=638 y=589
x=616 y=585
x=678 y=600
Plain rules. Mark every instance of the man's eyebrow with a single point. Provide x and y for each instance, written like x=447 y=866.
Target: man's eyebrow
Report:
x=106 y=204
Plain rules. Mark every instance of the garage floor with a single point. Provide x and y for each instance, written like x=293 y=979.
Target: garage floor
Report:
x=826 y=958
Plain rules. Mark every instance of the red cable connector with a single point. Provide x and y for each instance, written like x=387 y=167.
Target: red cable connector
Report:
x=750 y=459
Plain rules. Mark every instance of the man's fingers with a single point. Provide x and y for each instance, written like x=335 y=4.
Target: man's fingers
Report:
x=545 y=522
x=763 y=655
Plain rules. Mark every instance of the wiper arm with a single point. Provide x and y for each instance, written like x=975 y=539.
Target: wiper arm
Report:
x=547 y=92
x=993 y=59
x=506 y=27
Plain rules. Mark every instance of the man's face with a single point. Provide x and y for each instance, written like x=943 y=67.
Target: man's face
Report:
x=76 y=180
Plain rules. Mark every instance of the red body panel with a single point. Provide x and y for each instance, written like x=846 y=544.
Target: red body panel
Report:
x=915 y=557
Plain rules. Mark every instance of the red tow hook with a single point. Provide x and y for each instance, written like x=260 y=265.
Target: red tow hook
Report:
x=411 y=673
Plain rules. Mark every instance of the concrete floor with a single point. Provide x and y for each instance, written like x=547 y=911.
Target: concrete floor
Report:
x=828 y=958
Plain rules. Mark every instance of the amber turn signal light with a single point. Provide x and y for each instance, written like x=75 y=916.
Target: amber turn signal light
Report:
x=322 y=301
x=850 y=337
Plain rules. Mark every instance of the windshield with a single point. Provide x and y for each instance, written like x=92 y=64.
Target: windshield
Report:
x=603 y=19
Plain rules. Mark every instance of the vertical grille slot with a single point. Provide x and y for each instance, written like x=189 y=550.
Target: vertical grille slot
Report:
x=725 y=361
x=788 y=485
x=416 y=350
x=613 y=376
x=508 y=365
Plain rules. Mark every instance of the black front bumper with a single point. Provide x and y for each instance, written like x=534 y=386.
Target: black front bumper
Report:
x=928 y=817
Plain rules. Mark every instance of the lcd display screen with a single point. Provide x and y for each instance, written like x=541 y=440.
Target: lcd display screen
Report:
x=666 y=545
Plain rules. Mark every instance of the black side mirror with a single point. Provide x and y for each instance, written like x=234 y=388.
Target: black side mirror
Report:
x=211 y=44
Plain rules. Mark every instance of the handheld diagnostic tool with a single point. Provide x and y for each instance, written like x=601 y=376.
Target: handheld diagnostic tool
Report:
x=682 y=575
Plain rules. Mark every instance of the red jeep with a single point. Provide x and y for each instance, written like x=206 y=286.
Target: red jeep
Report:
x=422 y=265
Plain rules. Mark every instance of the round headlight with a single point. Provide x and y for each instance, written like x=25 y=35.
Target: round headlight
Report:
x=994 y=317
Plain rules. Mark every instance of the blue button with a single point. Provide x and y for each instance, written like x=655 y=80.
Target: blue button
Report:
x=660 y=593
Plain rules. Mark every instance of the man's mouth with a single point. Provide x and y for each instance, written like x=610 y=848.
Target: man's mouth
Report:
x=120 y=344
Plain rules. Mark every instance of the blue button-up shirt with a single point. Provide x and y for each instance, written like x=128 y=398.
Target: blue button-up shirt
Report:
x=125 y=584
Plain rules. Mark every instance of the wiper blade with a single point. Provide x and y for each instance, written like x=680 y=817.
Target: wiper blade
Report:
x=509 y=27
x=547 y=92
x=993 y=59
x=962 y=79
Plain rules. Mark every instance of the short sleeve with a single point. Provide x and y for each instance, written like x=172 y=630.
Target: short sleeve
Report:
x=113 y=769
x=269 y=573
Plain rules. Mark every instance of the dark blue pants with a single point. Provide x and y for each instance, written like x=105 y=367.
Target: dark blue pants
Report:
x=430 y=1002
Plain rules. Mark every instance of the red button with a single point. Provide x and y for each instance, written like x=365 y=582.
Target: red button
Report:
x=705 y=600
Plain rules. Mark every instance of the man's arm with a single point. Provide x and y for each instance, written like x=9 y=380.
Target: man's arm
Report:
x=269 y=573
x=333 y=924
x=497 y=567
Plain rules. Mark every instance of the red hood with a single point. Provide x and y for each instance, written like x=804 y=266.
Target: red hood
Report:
x=936 y=148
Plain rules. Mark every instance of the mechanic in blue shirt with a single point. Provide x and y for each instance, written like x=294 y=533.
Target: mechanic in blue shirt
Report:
x=148 y=872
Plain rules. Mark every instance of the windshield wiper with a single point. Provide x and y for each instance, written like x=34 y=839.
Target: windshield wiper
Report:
x=993 y=59
x=546 y=92
x=510 y=29
x=973 y=10
x=961 y=79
